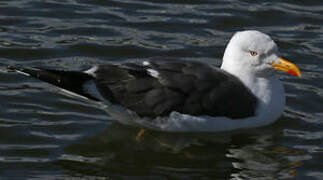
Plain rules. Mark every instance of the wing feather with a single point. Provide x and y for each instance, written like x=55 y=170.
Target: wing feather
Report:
x=185 y=86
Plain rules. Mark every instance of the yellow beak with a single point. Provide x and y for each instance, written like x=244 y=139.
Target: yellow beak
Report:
x=287 y=66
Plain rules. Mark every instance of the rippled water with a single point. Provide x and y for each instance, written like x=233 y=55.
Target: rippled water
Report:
x=45 y=134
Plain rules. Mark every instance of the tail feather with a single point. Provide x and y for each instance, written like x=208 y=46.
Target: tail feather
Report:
x=73 y=81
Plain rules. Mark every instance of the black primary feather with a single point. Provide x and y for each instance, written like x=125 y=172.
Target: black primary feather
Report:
x=70 y=80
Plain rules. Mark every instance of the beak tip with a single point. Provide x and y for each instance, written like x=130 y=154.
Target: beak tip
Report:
x=288 y=67
x=294 y=73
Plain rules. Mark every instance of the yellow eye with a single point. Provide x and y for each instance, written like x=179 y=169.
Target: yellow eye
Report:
x=253 y=53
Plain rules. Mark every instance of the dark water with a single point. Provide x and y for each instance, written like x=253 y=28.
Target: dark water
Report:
x=45 y=134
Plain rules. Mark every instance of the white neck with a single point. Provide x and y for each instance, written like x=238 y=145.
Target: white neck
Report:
x=269 y=91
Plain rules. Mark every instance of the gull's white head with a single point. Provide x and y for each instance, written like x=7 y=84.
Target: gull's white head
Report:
x=253 y=53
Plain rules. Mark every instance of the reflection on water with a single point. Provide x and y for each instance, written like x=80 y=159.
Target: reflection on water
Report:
x=241 y=154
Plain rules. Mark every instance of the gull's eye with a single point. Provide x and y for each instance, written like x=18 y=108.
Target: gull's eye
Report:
x=253 y=53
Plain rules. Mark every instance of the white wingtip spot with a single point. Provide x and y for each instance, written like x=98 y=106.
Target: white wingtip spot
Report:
x=146 y=63
x=153 y=73
x=92 y=71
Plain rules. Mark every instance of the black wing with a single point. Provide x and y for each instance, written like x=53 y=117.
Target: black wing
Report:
x=158 y=87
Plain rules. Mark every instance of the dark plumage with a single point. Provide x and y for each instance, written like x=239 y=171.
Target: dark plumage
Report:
x=187 y=87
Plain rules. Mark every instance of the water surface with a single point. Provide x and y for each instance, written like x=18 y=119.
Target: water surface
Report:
x=45 y=134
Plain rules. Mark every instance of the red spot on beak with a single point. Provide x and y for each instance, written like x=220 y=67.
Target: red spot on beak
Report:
x=293 y=73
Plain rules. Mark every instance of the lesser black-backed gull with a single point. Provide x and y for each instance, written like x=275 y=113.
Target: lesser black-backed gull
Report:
x=179 y=95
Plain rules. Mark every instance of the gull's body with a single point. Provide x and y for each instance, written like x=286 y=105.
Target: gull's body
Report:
x=186 y=96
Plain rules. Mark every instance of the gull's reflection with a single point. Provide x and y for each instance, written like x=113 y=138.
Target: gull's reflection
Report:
x=116 y=153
